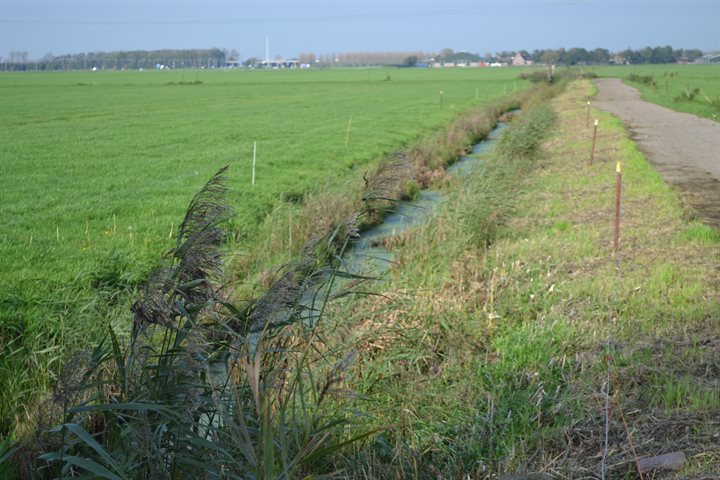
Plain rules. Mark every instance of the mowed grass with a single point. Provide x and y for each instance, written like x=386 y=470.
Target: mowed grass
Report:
x=672 y=84
x=98 y=168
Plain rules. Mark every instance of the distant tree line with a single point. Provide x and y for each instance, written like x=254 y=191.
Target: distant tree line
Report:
x=136 y=59
x=215 y=58
x=578 y=56
x=581 y=56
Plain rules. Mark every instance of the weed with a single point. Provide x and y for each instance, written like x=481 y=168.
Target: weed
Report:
x=644 y=79
x=683 y=394
x=700 y=233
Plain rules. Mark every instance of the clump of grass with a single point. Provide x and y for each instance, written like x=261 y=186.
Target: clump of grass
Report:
x=673 y=394
x=644 y=79
x=700 y=233
x=191 y=82
x=536 y=76
x=688 y=95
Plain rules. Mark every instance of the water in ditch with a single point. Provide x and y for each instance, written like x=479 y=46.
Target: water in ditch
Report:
x=368 y=257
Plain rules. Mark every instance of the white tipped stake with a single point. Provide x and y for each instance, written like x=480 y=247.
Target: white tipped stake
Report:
x=618 y=193
x=587 y=118
x=254 y=157
x=594 y=137
x=347 y=133
x=87 y=227
x=114 y=224
x=57 y=233
x=172 y=225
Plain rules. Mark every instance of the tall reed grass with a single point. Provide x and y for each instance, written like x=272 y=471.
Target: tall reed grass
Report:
x=205 y=388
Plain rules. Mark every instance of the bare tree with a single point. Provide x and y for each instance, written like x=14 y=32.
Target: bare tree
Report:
x=446 y=53
x=307 y=57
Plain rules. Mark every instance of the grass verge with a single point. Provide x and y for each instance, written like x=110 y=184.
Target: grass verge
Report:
x=489 y=354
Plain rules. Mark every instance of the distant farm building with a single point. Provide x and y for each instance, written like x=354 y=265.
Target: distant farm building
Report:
x=275 y=64
x=710 y=57
x=520 y=59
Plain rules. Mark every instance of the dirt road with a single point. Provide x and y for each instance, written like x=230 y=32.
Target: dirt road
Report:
x=685 y=149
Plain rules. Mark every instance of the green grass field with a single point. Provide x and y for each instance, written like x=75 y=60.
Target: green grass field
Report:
x=98 y=168
x=675 y=86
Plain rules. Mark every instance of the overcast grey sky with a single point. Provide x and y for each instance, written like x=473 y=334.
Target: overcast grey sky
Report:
x=294 y=26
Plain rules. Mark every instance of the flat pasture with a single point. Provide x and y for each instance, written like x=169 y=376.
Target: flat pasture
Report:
x=98 y=168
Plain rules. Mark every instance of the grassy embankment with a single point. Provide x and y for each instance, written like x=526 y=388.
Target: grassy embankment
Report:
x=99 y=166
x=484 y=360
x=686 y=88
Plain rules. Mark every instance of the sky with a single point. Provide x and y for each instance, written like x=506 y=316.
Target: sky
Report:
x=294 y=26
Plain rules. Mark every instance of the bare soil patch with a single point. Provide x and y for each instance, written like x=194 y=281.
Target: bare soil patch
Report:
x=684 y=148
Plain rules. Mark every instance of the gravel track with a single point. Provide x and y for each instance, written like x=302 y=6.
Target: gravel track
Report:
x=684 y=148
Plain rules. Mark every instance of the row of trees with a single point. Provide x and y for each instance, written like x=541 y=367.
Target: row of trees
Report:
x=147 y=59
x=215 y=57
x=581 y=56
